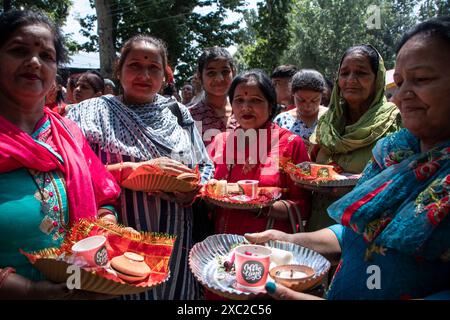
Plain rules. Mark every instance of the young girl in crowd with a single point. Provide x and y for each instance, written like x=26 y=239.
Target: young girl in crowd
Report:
x=213 y=114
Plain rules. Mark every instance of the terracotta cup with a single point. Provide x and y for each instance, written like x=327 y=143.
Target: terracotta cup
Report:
x=322 y=171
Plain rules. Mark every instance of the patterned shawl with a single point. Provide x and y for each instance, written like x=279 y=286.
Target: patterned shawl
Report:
x=144 y=131
x=208 y=123
x=338 y=139
x=402 y=200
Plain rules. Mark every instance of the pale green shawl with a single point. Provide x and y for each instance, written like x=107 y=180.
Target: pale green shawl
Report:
x=350 y=145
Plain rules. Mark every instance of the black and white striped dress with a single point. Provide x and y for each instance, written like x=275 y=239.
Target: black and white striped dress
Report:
x=137 y=133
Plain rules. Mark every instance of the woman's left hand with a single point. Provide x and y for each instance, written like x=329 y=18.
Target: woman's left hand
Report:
x=183 y=198
x=109 y=218
x=106 y=215
x=280 y=292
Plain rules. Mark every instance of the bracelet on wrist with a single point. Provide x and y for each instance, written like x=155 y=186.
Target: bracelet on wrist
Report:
x=4 y=273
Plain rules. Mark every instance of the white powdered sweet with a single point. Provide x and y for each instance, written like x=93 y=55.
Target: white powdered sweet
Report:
x=281 y=257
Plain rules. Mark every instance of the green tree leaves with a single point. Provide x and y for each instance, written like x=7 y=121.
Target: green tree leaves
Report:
x=185 y=32
x=315 y=33
x=269 y=35
x=324 y=29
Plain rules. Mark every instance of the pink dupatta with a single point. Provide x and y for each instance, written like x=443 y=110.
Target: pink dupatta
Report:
x=88 y=184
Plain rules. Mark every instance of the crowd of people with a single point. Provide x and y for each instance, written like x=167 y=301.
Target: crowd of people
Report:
x=60 y=144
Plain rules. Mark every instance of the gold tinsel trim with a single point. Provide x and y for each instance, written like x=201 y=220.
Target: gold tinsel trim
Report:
x=48 y=253
x=84 y=226
x=154 y=238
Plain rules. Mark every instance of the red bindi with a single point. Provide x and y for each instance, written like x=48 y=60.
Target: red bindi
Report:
x=145 y=57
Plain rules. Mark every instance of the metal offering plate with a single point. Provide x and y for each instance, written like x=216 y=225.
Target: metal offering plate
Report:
x=205 y=258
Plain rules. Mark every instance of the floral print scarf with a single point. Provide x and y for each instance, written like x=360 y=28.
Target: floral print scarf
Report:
x=402 y=201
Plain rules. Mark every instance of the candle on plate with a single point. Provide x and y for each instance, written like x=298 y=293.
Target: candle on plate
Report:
x=291 y=274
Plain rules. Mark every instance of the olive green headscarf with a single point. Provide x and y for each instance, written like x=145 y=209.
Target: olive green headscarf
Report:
x=350 y=145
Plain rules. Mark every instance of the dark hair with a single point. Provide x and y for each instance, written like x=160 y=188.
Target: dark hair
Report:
x=284 y=71
x=211 y=54
x=59 y=80
x=72 y=81
x=367 y=50
x=59 y=93
x=329 y=84
x=308 y=79
x=435 y=27
x=95 y=80
x=264 y=84
x=12 y=20
x=169 y=90
x=128 y=46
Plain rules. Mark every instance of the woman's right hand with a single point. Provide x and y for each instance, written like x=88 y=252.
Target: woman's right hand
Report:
x=46 y=290
x=164 y=163
x=265 y=236
x=172 y=166
x=18 y=287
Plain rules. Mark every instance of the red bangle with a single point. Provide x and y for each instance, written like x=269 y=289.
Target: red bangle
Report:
x=4 y=273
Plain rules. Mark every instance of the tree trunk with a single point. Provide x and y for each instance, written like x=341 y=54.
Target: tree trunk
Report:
x=105 y=37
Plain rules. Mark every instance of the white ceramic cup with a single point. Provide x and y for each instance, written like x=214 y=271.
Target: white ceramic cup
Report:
x=92 y=250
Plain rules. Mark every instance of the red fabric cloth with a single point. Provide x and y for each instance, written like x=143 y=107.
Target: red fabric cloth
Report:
x=273 y=143
x=155 y=248
x=89 y=185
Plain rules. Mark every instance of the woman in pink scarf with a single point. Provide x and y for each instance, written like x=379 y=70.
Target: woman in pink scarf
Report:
x=49 y=177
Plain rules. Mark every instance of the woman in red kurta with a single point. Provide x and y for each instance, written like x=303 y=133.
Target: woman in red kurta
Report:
x=254 y=152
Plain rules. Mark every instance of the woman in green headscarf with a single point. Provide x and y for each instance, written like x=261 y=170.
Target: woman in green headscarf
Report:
x=358 y=116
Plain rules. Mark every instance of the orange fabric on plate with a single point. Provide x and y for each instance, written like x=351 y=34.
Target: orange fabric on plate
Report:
x=155 y=248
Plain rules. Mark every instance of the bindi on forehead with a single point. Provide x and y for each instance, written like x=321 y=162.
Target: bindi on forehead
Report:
x=145 y=57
